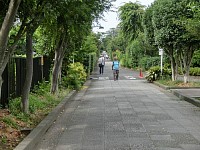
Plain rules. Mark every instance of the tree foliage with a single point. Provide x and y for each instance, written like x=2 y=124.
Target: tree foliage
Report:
x=130 y=16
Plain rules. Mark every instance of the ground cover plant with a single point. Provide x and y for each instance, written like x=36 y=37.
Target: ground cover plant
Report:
x=12 y=120
x=178 y=83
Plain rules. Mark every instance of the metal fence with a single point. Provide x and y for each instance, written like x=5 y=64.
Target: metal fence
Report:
x=15 y=73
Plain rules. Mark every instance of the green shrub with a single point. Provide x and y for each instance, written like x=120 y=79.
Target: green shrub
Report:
x=148 y=62
x=42 y=88
x=15 y=106
x=154 y=73
x=76 y=76
x=195 y=71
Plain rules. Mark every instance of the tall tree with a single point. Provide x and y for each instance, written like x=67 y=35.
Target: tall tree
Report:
x=76 y=24
x=130 y=16
x=31 y=14
x=4 y=35
x=172 y=35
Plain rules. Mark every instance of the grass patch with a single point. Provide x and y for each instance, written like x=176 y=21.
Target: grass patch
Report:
x=178 y=83
x=198 y=98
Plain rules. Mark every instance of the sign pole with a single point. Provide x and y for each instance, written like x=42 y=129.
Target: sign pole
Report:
x=161 y=59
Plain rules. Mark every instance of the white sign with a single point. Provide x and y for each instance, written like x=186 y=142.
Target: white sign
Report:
x=160 y=51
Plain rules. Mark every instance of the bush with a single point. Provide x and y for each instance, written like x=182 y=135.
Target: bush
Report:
x=154 y=73
x=195 y=71
x=76 y=76
x=148 y=62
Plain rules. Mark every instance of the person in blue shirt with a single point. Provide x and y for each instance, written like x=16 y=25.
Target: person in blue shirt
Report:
x=115 y=68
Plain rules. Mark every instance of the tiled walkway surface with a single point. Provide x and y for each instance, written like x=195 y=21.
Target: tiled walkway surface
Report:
x=129 y=114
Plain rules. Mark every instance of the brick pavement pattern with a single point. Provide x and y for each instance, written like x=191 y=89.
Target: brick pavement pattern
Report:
x=128 y=114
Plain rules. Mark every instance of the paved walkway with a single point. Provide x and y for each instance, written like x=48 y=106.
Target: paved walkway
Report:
x=128 y=114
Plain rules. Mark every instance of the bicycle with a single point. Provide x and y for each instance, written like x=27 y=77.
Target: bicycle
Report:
x=116 y=74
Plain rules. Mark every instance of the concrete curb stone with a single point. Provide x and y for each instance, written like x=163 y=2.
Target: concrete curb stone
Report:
x=172 y=87
x=189 y=99
x=186 y=98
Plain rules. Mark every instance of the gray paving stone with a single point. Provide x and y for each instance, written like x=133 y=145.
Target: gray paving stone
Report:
x=114 y=126
x=184 y=138
x=137 y=134
x=168 y=148
x=115 y=134
x=161 y=137
x=95 y=147
x=166 y=143
x=190 y=146
x=141 y=144
x=69 y=147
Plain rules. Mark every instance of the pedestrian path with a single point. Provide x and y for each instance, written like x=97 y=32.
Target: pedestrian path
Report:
x=127 y=114
x=124 y=115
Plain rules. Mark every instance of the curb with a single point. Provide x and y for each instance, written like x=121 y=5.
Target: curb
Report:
x=179 y=95
x=172 y=87
x=161 y=86
x=36 y=135
x=186 y=98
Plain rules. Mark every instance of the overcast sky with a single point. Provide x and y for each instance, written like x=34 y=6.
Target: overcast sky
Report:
x=111 y=18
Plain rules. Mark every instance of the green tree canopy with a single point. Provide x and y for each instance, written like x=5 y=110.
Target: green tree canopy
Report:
x=130 y=16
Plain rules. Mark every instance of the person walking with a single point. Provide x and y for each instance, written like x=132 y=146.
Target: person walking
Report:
x=101 y=63
x=115 y=68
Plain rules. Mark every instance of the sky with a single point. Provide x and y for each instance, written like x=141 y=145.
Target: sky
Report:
x=111 y=18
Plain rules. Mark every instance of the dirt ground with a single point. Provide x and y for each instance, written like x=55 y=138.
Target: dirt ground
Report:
x=10 y=136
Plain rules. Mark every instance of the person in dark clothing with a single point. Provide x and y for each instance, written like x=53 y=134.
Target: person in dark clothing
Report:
x=101 y=63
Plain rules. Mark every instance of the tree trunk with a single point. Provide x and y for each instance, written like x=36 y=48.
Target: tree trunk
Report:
x=186 y=74
x=188 y=54
x=173 y=67
x=29 y=73
x=56 y=71
x=4 y=33
x=173 y=63
x=59 y=55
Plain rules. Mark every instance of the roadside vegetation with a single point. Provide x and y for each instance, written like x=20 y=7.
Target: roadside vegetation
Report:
x=15 y=124
x=178 y=83
x=13 y=121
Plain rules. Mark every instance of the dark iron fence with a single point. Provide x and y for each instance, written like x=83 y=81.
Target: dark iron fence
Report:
x=15 y=73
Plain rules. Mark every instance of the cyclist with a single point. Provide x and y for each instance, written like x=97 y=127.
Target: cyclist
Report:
x=115 y=68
